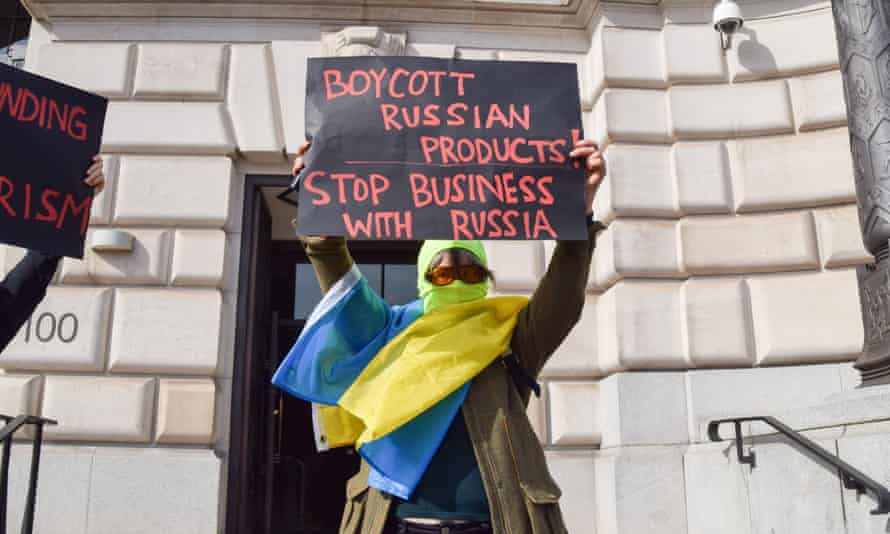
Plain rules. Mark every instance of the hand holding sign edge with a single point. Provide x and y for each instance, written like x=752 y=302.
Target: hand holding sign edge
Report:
x=299 y=165
x=95 y=176
x=595 y=164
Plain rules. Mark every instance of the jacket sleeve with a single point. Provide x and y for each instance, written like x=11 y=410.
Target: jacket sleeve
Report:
x=556 y=305
x=330 y=258
x=22 y=290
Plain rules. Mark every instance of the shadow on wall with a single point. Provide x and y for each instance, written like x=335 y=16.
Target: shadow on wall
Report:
x=753 y=55
x=754 y=9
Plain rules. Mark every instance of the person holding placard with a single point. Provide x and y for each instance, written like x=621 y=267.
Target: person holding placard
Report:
x=25 y=286
x=433 y=394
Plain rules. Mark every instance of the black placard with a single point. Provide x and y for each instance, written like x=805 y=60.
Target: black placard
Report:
x=423 y=148
x=50 y=133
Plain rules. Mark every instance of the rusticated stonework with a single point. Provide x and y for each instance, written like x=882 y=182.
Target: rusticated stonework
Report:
x=863 y=35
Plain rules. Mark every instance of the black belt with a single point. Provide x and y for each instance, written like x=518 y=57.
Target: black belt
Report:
x=520 y=376
x=397 y=525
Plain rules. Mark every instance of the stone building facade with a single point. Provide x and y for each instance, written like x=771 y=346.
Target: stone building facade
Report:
x=724 y=285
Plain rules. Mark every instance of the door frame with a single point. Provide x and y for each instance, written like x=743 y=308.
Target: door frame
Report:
x=241 y=457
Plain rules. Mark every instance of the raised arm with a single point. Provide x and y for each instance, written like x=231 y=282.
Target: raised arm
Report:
x=329 y=255
x=330 y=258
x=556 y=305
x=22 y=290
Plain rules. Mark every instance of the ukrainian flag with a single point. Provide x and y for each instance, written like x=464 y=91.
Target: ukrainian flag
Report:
x=390 y=380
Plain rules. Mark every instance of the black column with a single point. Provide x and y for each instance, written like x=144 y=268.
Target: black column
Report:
x=863 y=36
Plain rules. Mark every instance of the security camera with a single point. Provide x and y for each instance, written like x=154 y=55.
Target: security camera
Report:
x=727 y=20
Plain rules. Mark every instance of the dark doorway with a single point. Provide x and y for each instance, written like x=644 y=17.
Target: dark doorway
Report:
x=278 y=483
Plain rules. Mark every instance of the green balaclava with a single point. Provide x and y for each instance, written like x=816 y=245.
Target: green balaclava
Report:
x=457 y=291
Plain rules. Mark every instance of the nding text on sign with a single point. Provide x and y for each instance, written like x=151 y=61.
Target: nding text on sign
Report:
x=50 y=133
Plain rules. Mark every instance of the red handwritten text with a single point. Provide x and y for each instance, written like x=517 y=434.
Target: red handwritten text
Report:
x=506 y=188
x=445 y=150
x=494 y=223
x=456 y=114
x=397 y=83
x=24 y=106
x=380 y=225
x=54 y=207
x=350 y=187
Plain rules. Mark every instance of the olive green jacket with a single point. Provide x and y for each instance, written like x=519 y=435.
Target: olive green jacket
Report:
x=522 y=496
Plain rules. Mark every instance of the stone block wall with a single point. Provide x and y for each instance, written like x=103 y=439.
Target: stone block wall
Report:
x=732 y=226
x=725 y=283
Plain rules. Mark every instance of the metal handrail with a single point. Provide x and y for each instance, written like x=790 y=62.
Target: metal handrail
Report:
x=12 y=424
x=852 y=478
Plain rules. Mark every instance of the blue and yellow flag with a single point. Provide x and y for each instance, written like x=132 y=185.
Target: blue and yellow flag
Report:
x=390 y=380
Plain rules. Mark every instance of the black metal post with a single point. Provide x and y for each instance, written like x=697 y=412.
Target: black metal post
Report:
x=863 y=37
x=749 y=458
x=28 y=519
x=4 y=481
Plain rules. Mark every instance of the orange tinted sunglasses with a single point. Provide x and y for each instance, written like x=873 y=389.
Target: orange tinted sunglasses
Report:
x=443 y=276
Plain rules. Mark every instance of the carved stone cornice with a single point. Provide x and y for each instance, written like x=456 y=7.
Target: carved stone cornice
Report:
x=363 y=41
x=532 y=13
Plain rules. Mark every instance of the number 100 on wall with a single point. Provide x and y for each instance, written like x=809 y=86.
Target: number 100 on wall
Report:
x=46 y=327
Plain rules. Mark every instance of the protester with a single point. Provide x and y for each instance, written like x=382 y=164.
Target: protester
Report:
x=25 y=286
x=433 y=394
